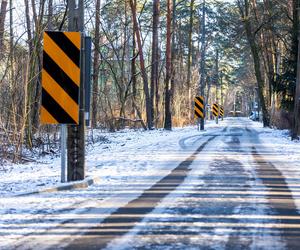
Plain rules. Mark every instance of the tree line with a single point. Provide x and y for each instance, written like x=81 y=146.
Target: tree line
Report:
x=150 y=59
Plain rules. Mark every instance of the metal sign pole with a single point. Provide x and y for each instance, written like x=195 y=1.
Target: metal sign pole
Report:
x=218 y=114
x=63 y=145
x=87 y=80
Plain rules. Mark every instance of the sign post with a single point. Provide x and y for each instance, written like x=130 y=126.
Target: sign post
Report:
x=87 y=80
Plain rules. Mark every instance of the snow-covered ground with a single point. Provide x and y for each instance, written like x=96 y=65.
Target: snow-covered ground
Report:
x=116 y=157
x=127 y=162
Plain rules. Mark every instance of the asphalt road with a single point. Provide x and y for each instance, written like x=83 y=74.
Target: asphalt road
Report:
x=225 y=195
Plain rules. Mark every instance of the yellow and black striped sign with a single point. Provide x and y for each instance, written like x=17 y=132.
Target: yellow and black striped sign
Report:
x=222 y=111
x=61 y=78
x=215 y=109
x=199 y=107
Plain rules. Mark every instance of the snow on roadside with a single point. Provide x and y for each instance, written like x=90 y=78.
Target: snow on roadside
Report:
x=139 y=157
x=103 y=158
x=126 y=161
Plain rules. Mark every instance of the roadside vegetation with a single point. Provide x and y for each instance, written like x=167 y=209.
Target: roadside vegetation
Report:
x=148 y=63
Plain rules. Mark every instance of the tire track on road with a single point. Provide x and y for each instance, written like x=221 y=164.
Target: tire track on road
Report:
x=125 y=218
x=282 y=205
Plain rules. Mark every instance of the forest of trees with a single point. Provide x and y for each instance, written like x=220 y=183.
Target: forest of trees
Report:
x=150 y=59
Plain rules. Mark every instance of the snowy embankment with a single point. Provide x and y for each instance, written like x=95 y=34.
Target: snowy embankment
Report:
x=123 y=156
x=285 y=156
x=116 y=156
x=127 y=163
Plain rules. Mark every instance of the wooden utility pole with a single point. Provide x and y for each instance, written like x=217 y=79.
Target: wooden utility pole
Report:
x=76 y=133
x=202 y=62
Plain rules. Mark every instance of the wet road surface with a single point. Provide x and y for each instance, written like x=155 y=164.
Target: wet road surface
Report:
x=226 y=195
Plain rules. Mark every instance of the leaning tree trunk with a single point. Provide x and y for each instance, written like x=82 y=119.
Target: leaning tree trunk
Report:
x=142 y=63
x=256 y=59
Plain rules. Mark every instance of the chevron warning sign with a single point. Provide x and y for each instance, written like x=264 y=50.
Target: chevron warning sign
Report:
x=61 y=78
x=221 y=111
x=199 y=107
x=215 y=109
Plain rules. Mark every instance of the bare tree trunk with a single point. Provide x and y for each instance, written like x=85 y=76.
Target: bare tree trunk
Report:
x=13 y=108
x=28 y=24
x=35 y=18
x=34 y=78
x=11 y=40
x=37 y=88
x=96 y=66
x=50 y=15
x=2 y=21
x=296 y=37
x=168 y=115
x=133 y=67
x=155 y=55
x=174 y=54
x=217 y=77
x=189 y=61
x=142 y=63
x=202 y=60
x=245 y=14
